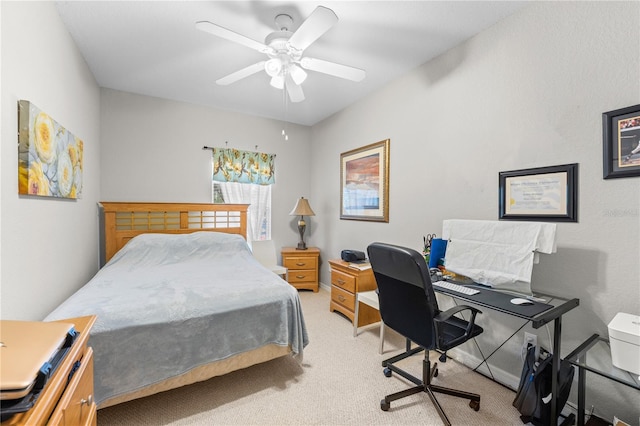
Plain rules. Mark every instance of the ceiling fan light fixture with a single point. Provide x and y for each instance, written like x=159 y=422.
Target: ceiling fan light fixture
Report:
x=297 y=74
x=277 y=81
x=273 y=67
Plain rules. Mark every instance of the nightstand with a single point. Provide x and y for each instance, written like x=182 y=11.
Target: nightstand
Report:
x=302 y=267
x=346 y=282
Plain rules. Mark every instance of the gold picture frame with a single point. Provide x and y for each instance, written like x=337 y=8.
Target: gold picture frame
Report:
x=364 y=183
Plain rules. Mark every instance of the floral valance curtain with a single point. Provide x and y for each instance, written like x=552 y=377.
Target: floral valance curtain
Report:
x=232 y=165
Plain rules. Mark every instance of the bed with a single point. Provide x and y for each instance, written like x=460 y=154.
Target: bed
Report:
x=180 y=299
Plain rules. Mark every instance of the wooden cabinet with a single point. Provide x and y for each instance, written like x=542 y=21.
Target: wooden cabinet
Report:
x=302 y=267
x=65 y=401
x=346 y=281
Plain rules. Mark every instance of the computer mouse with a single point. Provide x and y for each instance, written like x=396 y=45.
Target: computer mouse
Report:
x=520 y=301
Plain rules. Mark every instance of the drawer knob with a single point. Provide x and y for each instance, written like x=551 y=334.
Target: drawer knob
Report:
x=87 y=401
x=300 y=264
x=300 y=276
x=341 y=298
x=341 y=282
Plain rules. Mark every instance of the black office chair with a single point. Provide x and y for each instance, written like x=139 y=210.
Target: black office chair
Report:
x=408 y=305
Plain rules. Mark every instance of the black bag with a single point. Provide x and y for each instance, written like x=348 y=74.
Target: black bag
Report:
x=533 y=398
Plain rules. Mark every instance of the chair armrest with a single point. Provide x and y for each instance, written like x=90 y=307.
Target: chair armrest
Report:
x=442 y=317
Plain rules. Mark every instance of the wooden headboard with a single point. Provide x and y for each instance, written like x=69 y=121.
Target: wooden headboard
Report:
x=119 y=222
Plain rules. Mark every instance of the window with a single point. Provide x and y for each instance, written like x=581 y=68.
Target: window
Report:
x=245 y=177
x=259 y=199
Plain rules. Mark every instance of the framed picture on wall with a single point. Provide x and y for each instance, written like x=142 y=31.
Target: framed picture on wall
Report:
x=364 y=183
x=621 y=142
x=50 y=157
x=540 y=194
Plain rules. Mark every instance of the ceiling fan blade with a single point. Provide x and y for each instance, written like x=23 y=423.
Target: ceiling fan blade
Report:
x=222 y=32
x=240 y=74
x=331 y=68
x=318 y=23
x=294 y=90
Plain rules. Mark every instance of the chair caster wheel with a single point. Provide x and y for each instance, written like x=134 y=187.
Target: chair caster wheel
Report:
x=435 y=373
x=475 y=405
x=384 y=405
x=388 y=372
x=443 y=358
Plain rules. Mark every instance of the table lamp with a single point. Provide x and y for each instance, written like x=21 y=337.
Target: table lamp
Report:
x=302 y=209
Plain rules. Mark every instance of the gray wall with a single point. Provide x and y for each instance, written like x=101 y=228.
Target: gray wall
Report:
x=152 y=151
x=528 y=92
x=49 y=246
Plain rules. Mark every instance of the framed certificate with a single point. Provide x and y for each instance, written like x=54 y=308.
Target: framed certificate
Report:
x=539 y=194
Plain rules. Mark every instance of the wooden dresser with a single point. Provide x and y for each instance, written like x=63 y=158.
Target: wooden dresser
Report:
x=346 y=281
x=302 y=267
x=61 y=402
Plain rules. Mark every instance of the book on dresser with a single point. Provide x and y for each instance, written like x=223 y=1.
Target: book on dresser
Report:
x=360 y=265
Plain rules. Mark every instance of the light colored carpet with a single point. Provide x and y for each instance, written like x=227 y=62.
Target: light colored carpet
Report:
x=339 y=382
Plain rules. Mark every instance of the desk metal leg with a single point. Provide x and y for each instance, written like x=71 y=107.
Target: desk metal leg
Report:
x=581 y=384
x=557 y=330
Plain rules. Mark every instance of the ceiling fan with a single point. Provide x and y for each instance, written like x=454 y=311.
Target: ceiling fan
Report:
x=286 y=64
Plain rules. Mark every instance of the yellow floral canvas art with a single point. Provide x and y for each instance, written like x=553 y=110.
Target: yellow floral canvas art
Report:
x=49 y=156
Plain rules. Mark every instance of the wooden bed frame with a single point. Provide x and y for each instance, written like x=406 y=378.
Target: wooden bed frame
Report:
x=121 y=221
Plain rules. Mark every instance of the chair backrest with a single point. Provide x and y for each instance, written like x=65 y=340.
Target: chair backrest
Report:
x=407 y=301
x=265 y=252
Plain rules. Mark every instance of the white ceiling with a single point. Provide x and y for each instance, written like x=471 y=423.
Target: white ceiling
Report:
x=153 y=47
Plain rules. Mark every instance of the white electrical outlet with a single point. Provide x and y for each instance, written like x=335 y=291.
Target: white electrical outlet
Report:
x=531 y=339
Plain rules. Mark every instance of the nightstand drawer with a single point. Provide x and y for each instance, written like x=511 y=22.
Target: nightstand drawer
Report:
x=299 y=276
x=296 y=263
x=343 y=298
x=344 y=281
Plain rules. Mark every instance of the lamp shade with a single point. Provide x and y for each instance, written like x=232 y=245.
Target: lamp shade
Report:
x=277 y=81
x=302 y=208
x=273 y=67
x=297 y=74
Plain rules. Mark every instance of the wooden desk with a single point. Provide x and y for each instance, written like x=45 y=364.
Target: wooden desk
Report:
x=62 y=403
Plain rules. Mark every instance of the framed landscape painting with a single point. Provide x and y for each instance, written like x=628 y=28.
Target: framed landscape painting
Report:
x=364 y=183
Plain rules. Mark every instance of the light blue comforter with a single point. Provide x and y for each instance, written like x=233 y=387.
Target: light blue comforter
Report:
x=166 y=304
